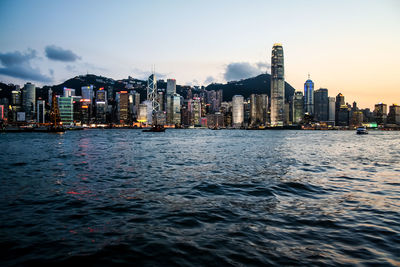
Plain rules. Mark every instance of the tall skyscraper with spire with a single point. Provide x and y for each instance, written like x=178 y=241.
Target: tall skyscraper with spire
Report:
x=277 y=86
x=309 y=96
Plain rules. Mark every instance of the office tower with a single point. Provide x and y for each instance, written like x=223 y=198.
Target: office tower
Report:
x=339 y=103
x=394 y=114
x=29 y=100
x=152 y=95
x=83 y=110
x=171 y=87
x=40 y=111
x=219 y=98
x=356 y=118
x=65 y=105
x=16 y=101
x=101 y=105
x=142 y=113
x=237 y=111
x=136 y=103
x=123 y=107
x=321 y=104
x=258 y=109
x=160 y=99
x=176 y=109
x=149 y=111
x=380 y=113
x=68 y=92
x=253 y=110
x=277 y=86
x=171 y=90
x=343 y=116
x=331 y=108
x=87 y=92
x=298 y=107
x=309 y=96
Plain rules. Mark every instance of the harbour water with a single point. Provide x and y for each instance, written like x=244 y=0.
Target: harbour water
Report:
x=200 y=197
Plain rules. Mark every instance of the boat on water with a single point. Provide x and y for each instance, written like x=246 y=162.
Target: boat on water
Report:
x=155 y=128
x=362 y=130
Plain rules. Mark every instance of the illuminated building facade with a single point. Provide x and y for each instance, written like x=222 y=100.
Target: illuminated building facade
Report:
x=101 y=105
x=87 y=92
x=123 y=107
x=237 y=111
x=66 y=110
x=277 y=86
x=176 y=109
x=309 y=97
x=298 y=107
x=69 y=92
x=169 y=106
x=142 y=113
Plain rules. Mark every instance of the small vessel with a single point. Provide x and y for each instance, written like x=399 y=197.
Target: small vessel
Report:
x=155 y=128
x=362 y=130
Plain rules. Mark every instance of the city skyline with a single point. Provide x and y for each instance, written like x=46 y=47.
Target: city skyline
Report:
x=354 y=53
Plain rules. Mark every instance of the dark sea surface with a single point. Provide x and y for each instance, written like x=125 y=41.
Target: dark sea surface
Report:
x=200 y=198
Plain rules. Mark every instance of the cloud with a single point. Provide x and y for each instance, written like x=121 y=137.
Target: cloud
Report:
x=264 y=66
x=243 y=70
x=209 y=79
x=18 y=65
x=57 y=53
x=144 y=75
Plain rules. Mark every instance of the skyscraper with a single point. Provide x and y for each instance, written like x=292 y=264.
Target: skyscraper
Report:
x=123 y=107
x=331 y=112
x=171 y=90
x=66 y=110
x=29 y=100
x=277 y=86
x=380 y=113
x=237 y=111
x=101 y=105
x=87 y=92
x=338 y=104
x=321 y=104
x=394 y=114
x=298 y=107
x=68 y=92
x=309 y=96
x=40 y=111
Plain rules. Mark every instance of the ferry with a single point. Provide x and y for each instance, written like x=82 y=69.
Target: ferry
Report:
x=362 y=130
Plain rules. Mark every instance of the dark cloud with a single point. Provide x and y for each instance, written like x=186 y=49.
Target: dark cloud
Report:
x=243 y=70
x=16 y=58
x=240 y=70
x=57 y=53
x=18 y=65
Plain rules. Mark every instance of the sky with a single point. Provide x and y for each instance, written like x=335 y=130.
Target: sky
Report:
x=351 y=46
